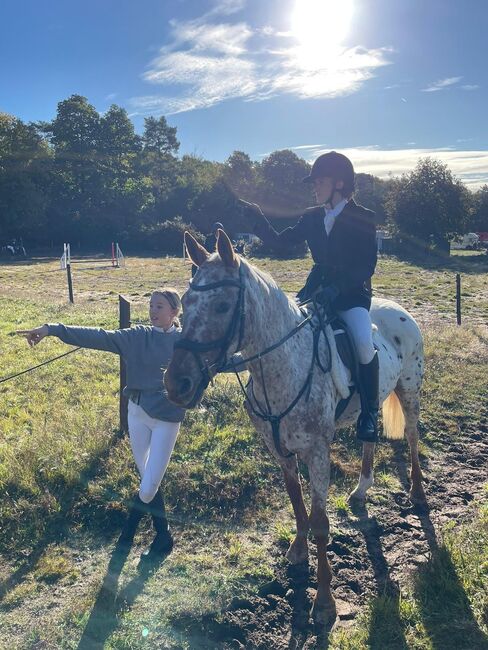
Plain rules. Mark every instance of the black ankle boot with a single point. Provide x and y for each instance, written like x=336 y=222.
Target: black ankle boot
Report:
x=367 y=425
x=163 y=542
x=136 y=511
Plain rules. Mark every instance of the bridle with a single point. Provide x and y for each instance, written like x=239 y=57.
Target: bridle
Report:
x=223 y=343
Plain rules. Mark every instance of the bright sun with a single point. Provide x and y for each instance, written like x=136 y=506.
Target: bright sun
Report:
x=321 y=25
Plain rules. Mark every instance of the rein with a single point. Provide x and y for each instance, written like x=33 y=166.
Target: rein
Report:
x=265 y=413
x=223 y=343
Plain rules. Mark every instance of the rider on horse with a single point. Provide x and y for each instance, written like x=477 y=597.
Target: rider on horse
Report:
x=341 y=236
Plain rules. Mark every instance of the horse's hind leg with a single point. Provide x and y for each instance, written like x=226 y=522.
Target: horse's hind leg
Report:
x=298 y=551
x=411 y=408
x=366 y=476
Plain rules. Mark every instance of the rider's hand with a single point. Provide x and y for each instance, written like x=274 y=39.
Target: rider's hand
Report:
x=35 y=335
x=327 y=295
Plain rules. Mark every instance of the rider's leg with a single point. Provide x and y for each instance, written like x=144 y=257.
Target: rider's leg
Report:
x=359 y=324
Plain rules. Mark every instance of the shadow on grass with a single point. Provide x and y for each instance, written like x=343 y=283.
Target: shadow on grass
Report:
x=55 y=528
x=444 y=606
x=110 y=605
x=415 y=253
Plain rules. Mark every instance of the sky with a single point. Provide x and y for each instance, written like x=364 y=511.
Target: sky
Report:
x=383 y=81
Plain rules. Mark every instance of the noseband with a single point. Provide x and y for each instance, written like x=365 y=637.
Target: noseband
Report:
x=223 y=343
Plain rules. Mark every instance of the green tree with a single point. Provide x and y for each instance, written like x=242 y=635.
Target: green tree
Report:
x=371 y=192
x=478 y=221
x=428 y=204
x=75 y=130
x=160 y=146
x=24 y=177
x=239 y=174
x=281 y=184
x=117 y=140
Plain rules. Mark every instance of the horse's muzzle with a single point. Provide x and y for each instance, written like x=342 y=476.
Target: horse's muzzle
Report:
x=185 y=387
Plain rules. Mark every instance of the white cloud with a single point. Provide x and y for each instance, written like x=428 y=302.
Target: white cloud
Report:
x=441 y=84
x=226 y=8
x=470 y=87
x=205 y=63
x=469 y=166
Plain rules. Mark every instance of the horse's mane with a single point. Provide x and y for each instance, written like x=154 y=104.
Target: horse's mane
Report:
x=338 y=371
x=267 y=279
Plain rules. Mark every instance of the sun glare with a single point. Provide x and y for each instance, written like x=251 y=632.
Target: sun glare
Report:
x=320 y=26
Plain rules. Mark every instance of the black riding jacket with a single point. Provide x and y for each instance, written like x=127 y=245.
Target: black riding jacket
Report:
x=345 y=258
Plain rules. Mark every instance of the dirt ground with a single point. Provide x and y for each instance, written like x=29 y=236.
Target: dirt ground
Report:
x=374 y=553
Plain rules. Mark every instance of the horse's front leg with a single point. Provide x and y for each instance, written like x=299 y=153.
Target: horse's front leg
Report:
x=366 y=477
x=298 y=551
x=324 y=608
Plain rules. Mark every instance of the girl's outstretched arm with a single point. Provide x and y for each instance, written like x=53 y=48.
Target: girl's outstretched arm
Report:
x=95 y=338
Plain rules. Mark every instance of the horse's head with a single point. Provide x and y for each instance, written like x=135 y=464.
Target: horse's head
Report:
x=213 y=309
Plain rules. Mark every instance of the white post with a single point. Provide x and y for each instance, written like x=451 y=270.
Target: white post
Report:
x=63 y=259
x=120 y=257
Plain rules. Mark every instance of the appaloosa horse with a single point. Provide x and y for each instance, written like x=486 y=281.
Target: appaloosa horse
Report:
x=232 y=306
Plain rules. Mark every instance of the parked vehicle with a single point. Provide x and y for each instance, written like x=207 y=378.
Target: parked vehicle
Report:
x=469 y=242
x=483 y=239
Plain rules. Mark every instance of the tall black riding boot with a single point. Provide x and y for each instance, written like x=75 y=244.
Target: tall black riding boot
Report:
x=367 y=425
x=136 y=511
x=163 y=542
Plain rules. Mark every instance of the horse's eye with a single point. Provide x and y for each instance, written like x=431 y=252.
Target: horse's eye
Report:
x=222 y=307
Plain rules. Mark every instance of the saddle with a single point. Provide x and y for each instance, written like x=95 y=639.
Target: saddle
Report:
x=347 y=354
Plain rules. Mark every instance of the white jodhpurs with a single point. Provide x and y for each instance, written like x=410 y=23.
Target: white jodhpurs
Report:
x=152 y=443
x=358 y=321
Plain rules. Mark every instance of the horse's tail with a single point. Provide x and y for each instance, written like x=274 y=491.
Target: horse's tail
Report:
x=393 y=417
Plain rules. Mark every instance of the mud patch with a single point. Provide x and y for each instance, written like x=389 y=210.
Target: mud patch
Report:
x=377 y=551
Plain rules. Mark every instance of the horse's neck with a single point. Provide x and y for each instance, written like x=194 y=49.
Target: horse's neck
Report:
x=270 y=316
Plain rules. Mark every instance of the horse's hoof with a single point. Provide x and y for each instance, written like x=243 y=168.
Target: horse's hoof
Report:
x=298 y=551
x=418 y=498
x=419 y=501
x=356 y=497
x=324 y=614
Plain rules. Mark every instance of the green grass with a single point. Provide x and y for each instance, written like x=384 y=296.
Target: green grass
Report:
x=447 y=606
x=65 y=473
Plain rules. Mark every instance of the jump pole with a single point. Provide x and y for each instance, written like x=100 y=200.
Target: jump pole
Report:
x=113 y=254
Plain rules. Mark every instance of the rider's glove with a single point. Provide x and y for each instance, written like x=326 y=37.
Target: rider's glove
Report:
x=327 y=295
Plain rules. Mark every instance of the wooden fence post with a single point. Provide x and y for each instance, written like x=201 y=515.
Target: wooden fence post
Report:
x=70 y=283
x=124 y=321
x=458 y=298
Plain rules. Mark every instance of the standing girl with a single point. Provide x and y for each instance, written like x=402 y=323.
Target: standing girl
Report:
x=154 y=421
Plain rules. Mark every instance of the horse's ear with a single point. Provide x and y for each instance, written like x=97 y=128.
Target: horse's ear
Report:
x=196 y=252
x=226 y=250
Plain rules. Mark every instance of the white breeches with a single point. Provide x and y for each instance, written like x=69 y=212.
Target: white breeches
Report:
x=152 y=443
x=358 y=321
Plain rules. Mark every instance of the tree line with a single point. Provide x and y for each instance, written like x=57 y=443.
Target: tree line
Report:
x=89 y=178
